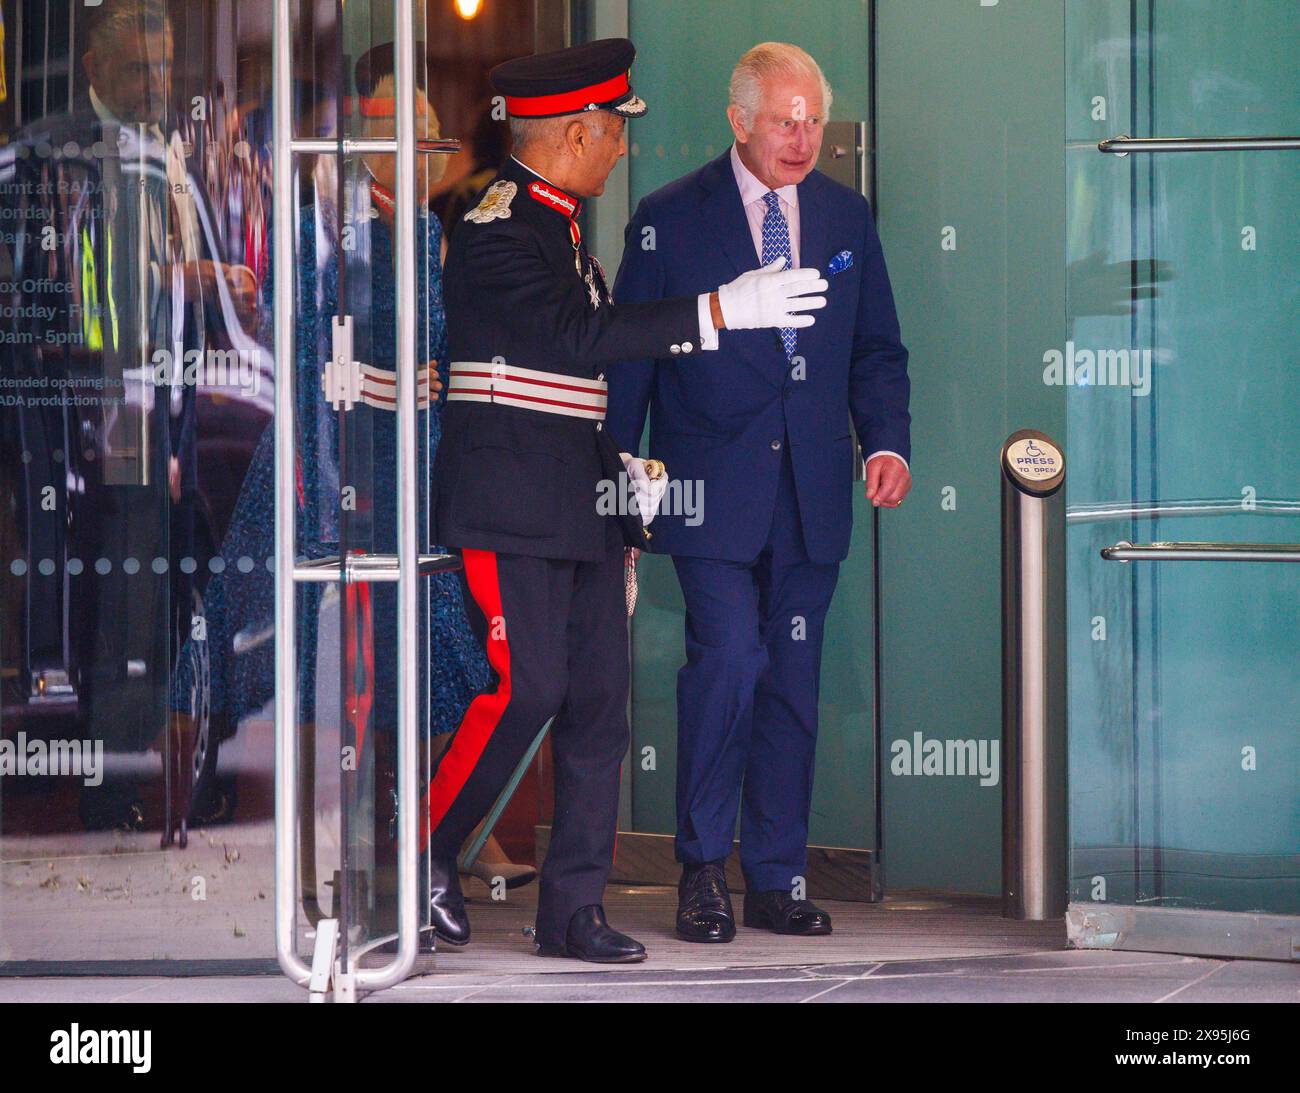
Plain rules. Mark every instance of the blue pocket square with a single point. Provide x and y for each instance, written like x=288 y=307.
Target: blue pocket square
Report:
x=841 y=262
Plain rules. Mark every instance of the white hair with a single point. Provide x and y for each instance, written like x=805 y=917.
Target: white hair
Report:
x=763 y=61
x=550 y=131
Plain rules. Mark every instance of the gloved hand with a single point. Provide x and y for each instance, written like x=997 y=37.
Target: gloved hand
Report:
x=772 y=296
x=649 y=491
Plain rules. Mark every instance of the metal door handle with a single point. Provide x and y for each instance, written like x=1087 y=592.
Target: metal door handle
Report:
x=1122 y=146
x=1124 y=551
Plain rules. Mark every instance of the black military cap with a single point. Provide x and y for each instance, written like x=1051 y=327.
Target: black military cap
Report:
x=593 y=76
x=372 y=66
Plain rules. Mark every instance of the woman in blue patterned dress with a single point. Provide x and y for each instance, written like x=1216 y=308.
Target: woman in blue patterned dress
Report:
x=239 y=598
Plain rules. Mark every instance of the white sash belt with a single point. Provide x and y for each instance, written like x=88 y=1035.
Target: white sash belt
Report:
x=528 y=388
x=355 y=382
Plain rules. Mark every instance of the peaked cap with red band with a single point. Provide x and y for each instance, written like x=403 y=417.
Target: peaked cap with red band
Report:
x=592 y=76
x=371 y=67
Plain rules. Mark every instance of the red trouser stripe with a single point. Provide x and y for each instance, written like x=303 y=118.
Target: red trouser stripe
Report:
x=360 y=660
x=485 y=712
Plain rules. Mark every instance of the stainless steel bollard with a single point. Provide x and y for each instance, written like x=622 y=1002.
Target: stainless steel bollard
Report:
x=1034 y=837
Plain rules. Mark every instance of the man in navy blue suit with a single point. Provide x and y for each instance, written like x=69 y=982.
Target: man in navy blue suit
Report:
x=765 y=435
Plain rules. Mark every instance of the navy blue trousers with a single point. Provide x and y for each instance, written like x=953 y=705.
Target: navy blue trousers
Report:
x=747 y=700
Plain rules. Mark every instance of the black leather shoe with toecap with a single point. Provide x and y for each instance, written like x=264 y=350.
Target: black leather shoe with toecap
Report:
x=590 y=937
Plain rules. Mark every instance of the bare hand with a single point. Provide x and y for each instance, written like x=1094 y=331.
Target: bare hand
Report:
x=888 y=481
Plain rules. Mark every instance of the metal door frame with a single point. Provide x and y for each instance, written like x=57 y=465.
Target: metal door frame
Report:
x=327 y=978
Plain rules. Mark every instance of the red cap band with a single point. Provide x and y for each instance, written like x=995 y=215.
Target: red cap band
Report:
x=567 y=102
x=378 y=108
x=368 y=107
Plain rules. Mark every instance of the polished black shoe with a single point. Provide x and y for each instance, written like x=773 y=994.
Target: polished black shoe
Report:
x=778 y=912
x=446 y=904
x=590 y=937
x=704 y=911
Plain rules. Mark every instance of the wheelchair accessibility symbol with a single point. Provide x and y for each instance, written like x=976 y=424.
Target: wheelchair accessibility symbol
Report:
x=1034 y=463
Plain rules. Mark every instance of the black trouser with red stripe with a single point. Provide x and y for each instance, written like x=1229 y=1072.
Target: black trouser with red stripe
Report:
x=556 y=636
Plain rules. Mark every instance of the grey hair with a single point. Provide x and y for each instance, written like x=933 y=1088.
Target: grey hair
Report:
x=765 y=60
x=550 y=131
x=117 y=18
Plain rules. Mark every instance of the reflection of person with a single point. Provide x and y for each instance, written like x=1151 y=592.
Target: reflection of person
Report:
x=112 y=146
x=530 y=328
x=128 y=65
x=239 y=600
x=770 y=443
x=111 y=236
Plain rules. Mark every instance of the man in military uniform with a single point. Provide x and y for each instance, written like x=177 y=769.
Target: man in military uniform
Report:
x=531 y=326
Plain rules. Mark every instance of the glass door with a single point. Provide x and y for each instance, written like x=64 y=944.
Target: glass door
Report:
x=349 y=309
x=376 y=662
x=135 y=384
x=140 y=391
x=1184 y=491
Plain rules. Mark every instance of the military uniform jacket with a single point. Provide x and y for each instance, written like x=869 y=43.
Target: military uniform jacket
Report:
x=522 y=481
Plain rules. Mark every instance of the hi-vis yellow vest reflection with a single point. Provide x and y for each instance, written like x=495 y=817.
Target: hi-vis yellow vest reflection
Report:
x=91 y=329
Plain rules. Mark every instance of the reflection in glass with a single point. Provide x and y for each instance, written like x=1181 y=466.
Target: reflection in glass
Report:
x=1182 y=391
x=136 y=395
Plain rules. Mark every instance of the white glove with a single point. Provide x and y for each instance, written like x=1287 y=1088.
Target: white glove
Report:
x=771 y=296
x=649 y=491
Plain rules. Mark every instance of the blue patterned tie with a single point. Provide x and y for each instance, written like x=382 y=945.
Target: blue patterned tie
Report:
x=776 y=244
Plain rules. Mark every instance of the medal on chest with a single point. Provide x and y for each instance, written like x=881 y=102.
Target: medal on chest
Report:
x=592 y=276
x=597 y=286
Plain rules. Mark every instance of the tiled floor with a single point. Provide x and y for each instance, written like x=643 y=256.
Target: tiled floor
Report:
x=908 y=949
x=1033 y=977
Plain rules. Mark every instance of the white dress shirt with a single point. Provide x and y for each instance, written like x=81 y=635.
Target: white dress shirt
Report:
x=752 y=192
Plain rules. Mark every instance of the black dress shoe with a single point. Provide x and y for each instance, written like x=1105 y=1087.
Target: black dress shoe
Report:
x=446 y=904
x=778 y=912
x=590 y=937
x=704 y=905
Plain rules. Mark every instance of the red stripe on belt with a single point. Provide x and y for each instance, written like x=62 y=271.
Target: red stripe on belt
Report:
x=586 y=389
x=528 y=398
x=485 y=712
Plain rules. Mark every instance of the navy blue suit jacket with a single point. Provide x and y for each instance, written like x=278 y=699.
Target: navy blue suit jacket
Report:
x=719 y=417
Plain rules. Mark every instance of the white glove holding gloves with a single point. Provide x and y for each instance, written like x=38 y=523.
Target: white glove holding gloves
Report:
x=772 y=296
x=649 y=491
